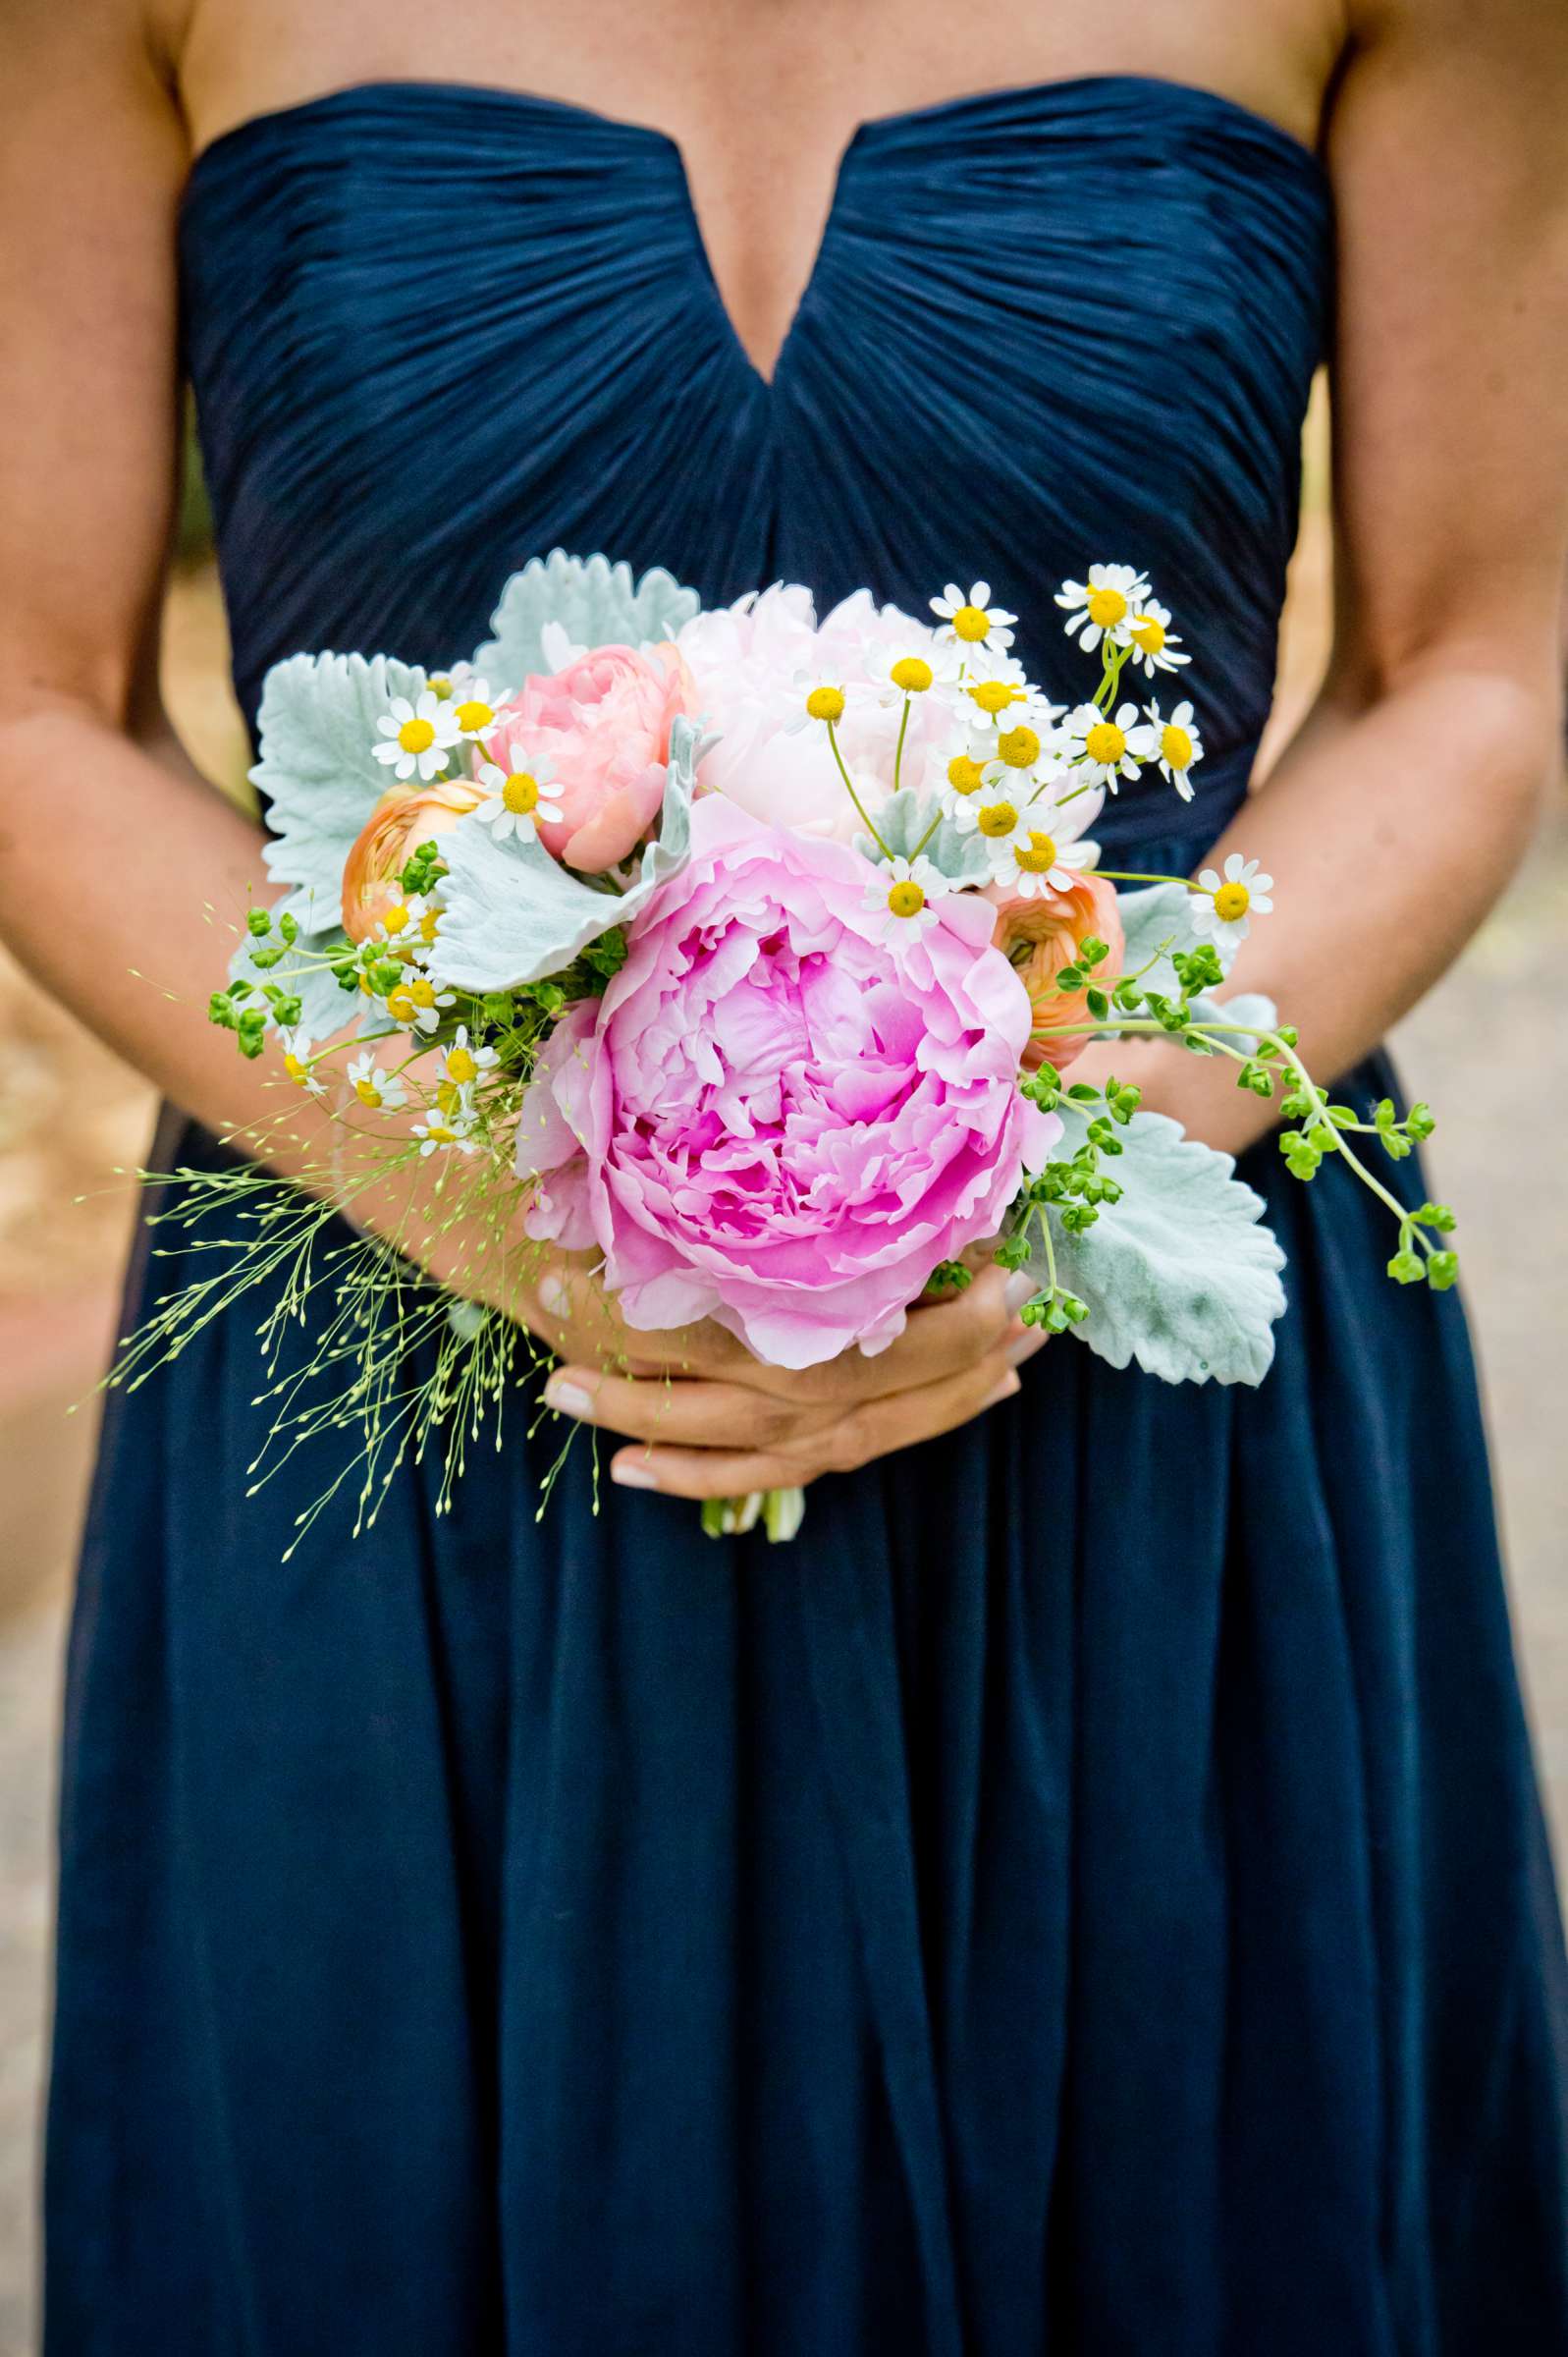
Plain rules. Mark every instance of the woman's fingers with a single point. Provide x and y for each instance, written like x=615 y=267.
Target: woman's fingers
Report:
x=873 y=1428
x=682 y=1412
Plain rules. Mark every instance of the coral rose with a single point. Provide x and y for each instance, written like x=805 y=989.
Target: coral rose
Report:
x=770 y=1120
x=400 y=823
x=599 y=731
x=1039 y=936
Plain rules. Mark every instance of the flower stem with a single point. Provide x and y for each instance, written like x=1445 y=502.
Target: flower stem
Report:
x=865 y=816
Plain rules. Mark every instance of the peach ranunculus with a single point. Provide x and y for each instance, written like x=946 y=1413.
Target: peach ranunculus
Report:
x=1041 y=935
x=403 y=819
x=600 y=732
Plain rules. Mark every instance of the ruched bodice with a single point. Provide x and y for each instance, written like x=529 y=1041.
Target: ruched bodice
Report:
x=435 y=330
x=1088 y=1893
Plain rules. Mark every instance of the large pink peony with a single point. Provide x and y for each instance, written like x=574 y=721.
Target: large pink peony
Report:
x=600 y=730
x=770 y=1120
x=753 y=664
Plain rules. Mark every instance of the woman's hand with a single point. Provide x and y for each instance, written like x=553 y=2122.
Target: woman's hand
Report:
x=711 y=1421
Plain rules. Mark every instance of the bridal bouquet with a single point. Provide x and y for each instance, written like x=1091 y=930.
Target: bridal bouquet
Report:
x=749 y=952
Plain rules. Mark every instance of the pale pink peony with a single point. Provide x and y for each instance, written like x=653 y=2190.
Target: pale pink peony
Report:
x=1039 y=936
x=753 y=665
x=600 y=729
x=770 y=1122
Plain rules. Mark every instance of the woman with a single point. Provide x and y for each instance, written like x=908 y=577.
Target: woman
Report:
x=1090 y=1893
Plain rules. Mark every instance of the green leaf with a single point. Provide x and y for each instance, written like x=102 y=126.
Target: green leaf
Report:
x=514 y=915
x=903 y=820
x=317 y=772
x=1181 y=1276
x=596 y=603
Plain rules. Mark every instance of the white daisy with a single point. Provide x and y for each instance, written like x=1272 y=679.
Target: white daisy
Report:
x=999 y=695
x=416 y=738
x=464 y=1062
x=444 y=1132
x=899 y=896
x=1222 y=912
x=518 y=797
x=1029 y=861
x=1102 y=606
x=381 y=1091
x=475 y=705
x=1105 y=748
x=963 y=779
x=1155 y=644
x=995 y=812
x=922 y=669
x=297 y=1047
x=973 y=621
x=400 y=925
x=417 y=1004
x=1178 y=747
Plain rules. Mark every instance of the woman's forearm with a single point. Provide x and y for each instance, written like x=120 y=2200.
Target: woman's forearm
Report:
x=1388 y=833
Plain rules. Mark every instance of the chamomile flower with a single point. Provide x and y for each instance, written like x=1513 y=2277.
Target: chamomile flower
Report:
x=1105 y=748
x=1177 y=746
x=973 y=621
x=417 y=1004
x=444 y=1132
x=1104 y=606
x=899 y=896
x=964 y=780
x=1155 y=644
x=1029 y=861
x=518 y=797
x=1222 y=911
x=416 y=738
x=999 y=695
x=475 y=705
x=917 y=671
x=400 y=926
x=465 y=1061
x=1033 y=745
x=382 y=1091
x=297 y=1046
x=995 y=812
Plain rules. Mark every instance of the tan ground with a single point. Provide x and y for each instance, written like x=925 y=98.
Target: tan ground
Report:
x=69 y=1115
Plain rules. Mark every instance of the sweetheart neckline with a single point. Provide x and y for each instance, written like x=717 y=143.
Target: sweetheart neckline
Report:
x=871 y=128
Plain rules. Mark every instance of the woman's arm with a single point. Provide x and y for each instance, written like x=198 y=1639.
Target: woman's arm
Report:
x=1410 y=794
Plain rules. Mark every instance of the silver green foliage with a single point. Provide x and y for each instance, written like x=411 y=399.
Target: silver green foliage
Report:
x=596 y=603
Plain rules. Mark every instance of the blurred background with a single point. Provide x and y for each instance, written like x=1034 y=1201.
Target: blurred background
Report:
x=1488 y=1044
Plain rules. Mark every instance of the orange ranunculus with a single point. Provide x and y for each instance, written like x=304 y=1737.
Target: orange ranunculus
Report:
x=403 y=819
x=1042 y=934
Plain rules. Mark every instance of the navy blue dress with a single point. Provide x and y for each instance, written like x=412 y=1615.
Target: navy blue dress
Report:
x=1089 y=1895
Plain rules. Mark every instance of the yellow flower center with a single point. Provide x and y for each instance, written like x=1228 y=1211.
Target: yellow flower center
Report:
x=367 y=1091
x=461 y=1067
x=995 y=695
x=416 y=735
x=1106 y=607
x=396 y=919
x=399 y=1005
x=446 y=1096
x=520 y=793
x=998 y=819
x=825 y=703
x=1039 y=855
x=441 y=1133
x=297 y=1068
x=365 y=984
x=907 y=899
x=1104 y=743
x=1175 y=745
x=971 y=623
x=423 y=993
x=1018 y=746
x=912 y=674
x=1233 y=900
x=439 y=684
x=428 y=923
x=963 y=775
x=473 y=715
x=1150 y=634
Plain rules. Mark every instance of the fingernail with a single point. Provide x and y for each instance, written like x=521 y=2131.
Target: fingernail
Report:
x=632 y=1476
x=567 y=1399
x=1032 y=1339
x=1014 y=1293
x=553 y=1296
x=1005 y=1389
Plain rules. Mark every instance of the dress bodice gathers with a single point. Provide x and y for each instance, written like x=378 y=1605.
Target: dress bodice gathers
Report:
x=437 y=329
